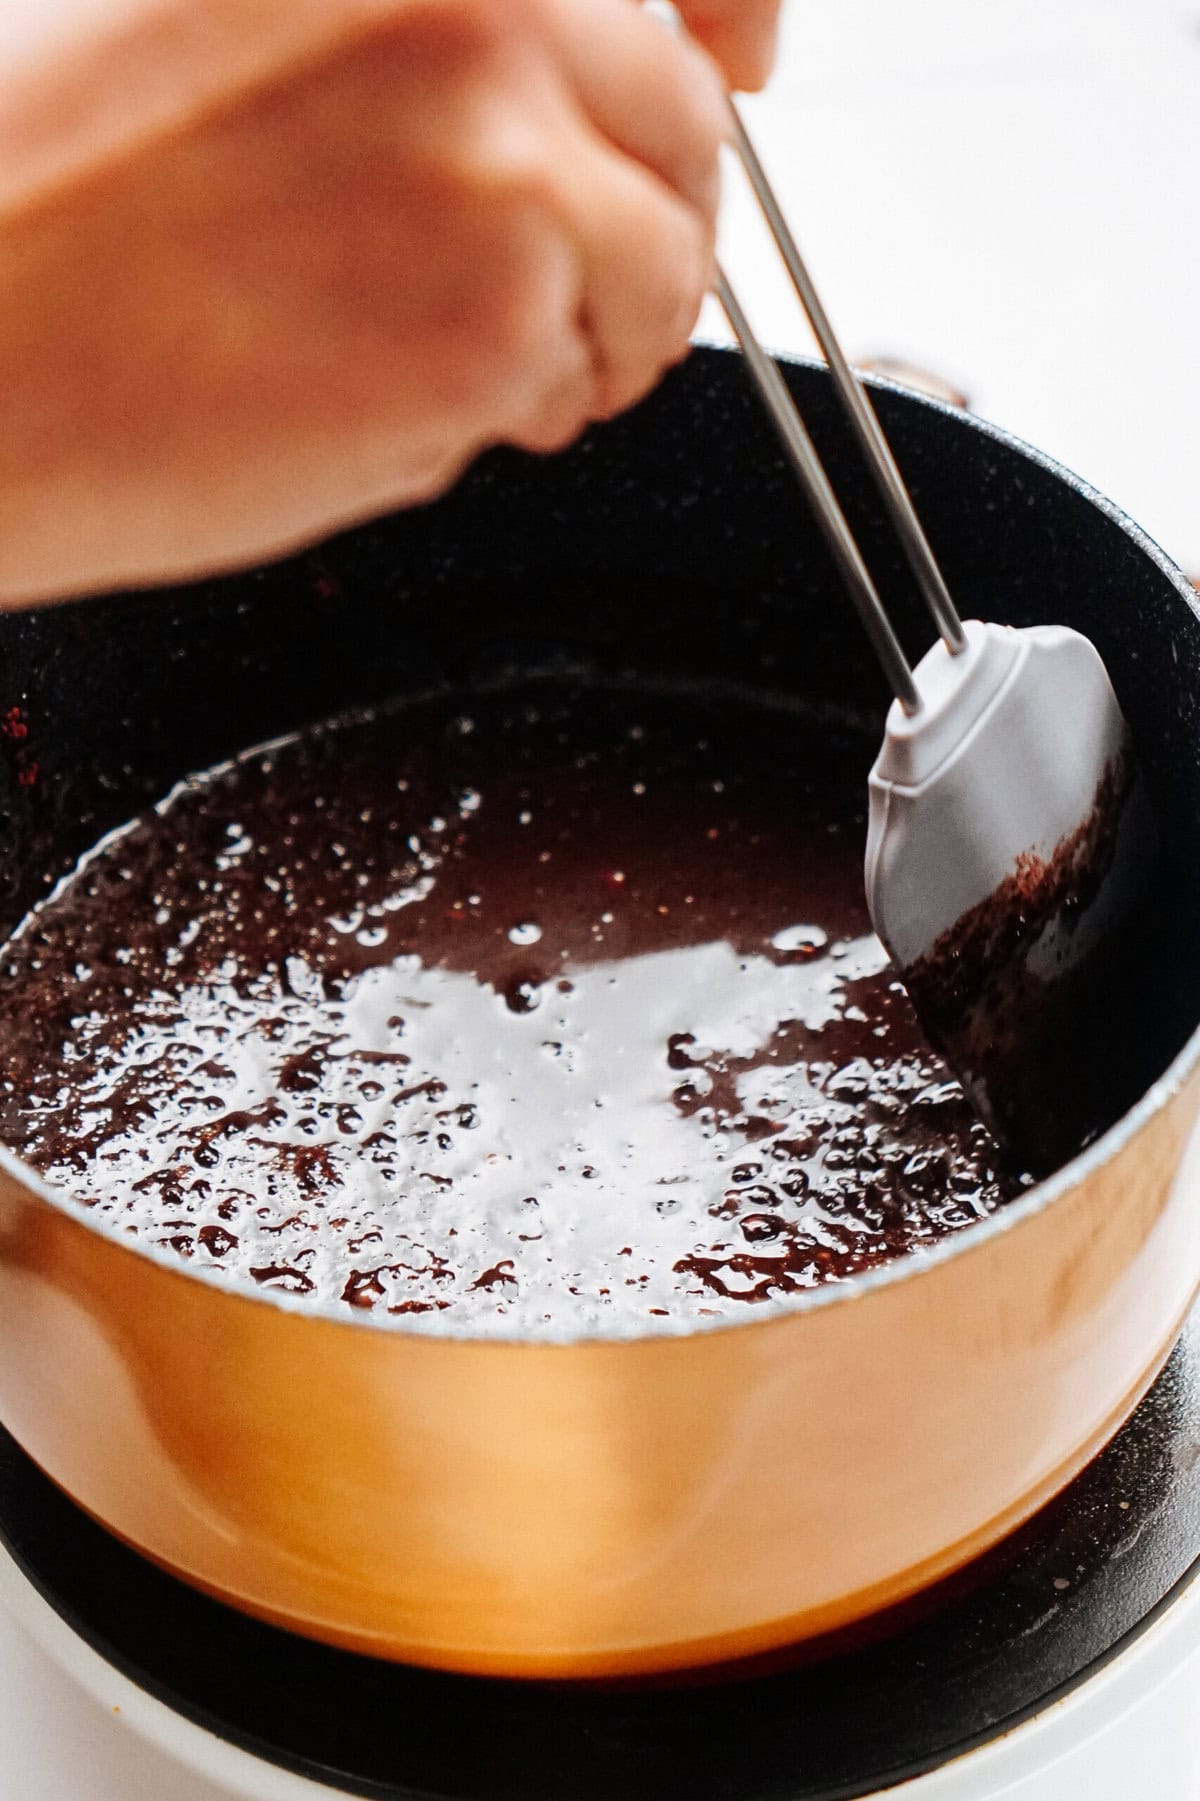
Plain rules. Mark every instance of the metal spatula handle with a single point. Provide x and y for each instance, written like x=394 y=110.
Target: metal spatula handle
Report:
x=855 y=400
x=804 y=460
x=801 y=453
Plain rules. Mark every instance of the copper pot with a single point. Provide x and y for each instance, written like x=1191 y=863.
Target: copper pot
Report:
x=642 y=1503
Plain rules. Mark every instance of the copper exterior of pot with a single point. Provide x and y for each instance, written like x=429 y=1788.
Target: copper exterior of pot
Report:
x=612 y=1506
x=597 y=1508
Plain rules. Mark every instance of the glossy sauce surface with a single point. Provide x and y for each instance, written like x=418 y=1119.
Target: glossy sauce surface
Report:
x=534 y=1013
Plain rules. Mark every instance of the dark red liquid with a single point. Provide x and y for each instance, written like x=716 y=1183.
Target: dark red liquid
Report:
x=543 y=1011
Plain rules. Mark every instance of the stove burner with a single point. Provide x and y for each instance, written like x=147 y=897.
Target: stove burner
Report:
x=826 y=1723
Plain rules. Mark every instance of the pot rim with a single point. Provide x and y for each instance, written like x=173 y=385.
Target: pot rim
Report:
x=855 y=1288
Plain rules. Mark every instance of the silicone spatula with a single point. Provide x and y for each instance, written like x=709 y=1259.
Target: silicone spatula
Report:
x=1009 y=837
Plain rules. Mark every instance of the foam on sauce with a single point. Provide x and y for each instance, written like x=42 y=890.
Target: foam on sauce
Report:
x=536 y=1013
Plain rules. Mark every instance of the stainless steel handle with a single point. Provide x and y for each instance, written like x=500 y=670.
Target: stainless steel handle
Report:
x=803 y=458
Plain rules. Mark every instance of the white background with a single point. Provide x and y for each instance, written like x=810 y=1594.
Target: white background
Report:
x=1006 y=194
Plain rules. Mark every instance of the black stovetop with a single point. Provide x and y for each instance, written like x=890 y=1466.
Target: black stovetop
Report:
x=826 y=1723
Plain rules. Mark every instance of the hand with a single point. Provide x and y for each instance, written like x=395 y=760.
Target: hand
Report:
x=739 y=33
x=268 y=270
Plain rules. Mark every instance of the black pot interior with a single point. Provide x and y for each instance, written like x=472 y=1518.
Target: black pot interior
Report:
x=669 y=544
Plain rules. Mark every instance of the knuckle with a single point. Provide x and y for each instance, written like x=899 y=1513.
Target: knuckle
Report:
x=532 y=292
x=565 y=396
x=497 y=182
x=709 y=99
x=514 y=327
x=513 y=171
x=556 y=430
x=625 y=384
x=559 y=423
x=686 y=272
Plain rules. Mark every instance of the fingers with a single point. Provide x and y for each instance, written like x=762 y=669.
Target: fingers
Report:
x=740 y=34
x=607 y=130
x=646 y=260
x=524 y=373
x=547 y=343
x=639 y=159
x=657 y=97
x=591 y=139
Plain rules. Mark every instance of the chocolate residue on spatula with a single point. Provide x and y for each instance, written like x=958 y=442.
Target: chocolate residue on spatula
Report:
x=1034 y=995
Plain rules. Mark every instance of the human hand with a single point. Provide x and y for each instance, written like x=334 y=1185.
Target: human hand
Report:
x=313 y=258
x=739 y=33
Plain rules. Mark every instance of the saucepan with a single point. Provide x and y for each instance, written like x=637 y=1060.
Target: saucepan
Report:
x=604 y=1505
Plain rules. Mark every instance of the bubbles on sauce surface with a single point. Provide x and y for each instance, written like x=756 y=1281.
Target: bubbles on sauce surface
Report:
x=423 y=1016
x=800 y=941
x=525 y=933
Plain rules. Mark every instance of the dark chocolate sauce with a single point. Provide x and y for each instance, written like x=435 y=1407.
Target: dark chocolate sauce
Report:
x=538 y=1012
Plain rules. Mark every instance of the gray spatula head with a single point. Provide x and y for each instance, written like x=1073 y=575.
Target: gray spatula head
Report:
x=1008 y=858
